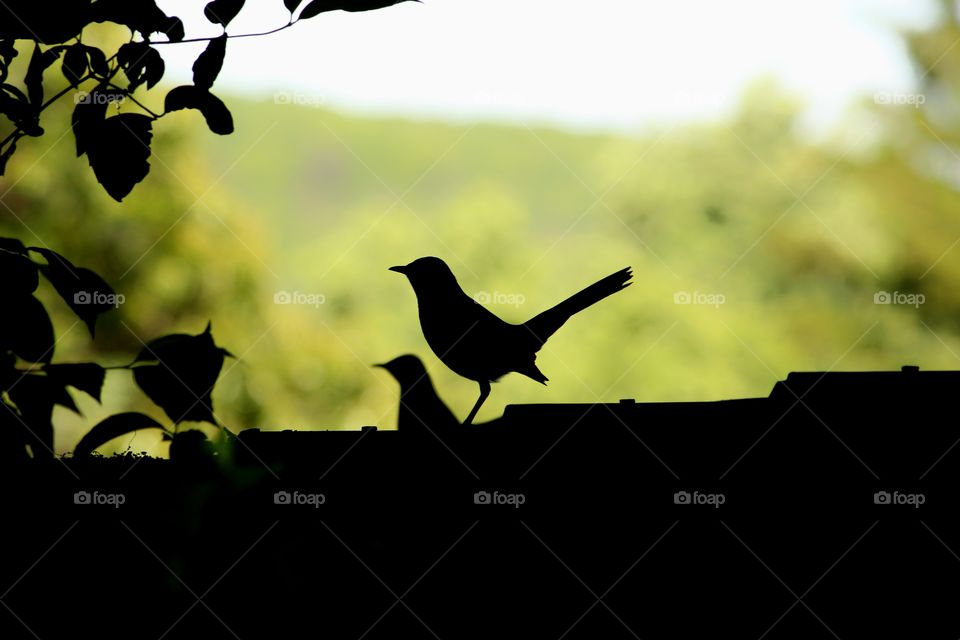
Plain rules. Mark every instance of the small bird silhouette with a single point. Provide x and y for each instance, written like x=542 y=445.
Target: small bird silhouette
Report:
x=420 y=406
x=474 y=342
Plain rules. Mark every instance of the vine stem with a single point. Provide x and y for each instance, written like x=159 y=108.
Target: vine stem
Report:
x=135 y=101
x=229 y=37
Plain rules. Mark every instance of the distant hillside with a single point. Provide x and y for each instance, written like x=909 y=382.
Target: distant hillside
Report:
x=315 y=165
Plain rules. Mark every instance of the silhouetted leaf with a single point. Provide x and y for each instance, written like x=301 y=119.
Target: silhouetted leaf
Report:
x=48 y=22
x=78 y=59
x=13 y=437
x=25 y=328
x=12 y=244
x=291 y=5
x=120 y=151
x=88 y=115
x=317 y=7
x=33 y=79
x=34 y=76
x=216 y=114
x=208 y=64
x=140 y=15
x=75 y=63
x=98 y=61
x=13 y=92
x=85 y=292
x=12 y=98
x=222 y=11
x=16 y=106
x=185 y=96
x=7 y=53
x=85 y=376
x=113 y=427
x=214 y=111
x=6 y=155
x=34 y=410
x=32 y=390
x=141 y=63
x=20 y=274
x=173 y=29
x=371 y=5
x=35 y=397
x=178 y=372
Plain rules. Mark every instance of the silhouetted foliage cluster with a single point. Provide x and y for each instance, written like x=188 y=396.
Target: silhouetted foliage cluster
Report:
x=118 y=147
x=177 y=372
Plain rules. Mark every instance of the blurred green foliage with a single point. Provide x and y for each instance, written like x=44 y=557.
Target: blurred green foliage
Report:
x=797 y=236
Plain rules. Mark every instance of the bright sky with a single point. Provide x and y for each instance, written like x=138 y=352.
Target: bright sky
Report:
x=608 y=64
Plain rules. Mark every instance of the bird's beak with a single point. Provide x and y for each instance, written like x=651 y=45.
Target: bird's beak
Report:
x=401 y=269
x=379 y=365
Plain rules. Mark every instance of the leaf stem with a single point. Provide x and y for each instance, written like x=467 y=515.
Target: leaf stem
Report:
x=229 y=37
x=128 y=94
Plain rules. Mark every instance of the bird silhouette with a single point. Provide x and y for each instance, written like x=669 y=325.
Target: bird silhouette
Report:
x=474 y=342
x=420 y=406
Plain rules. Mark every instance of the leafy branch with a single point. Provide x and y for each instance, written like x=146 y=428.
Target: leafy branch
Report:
x=118 y=147
x=177 y=372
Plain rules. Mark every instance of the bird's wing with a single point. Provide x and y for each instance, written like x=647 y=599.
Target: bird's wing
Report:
x=460 y=323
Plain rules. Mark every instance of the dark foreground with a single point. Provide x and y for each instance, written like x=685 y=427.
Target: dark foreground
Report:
x=828 y=510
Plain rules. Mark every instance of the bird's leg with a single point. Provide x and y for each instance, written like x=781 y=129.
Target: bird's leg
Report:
x=484 y=392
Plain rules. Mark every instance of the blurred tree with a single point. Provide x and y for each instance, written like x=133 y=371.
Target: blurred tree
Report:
x=915 y=172
x=175 y=262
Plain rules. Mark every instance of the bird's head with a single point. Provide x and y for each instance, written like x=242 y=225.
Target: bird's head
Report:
x=407 y=369
x=428 y=275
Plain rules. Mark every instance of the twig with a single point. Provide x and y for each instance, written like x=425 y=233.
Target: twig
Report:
x=229 y=37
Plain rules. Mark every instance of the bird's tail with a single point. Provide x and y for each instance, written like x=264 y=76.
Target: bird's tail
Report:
x=545 y=324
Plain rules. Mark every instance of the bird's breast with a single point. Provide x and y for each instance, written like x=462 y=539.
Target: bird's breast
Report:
x=470 y=340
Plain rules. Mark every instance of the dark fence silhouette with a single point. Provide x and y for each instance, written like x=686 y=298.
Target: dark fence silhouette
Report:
x=826 y=509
